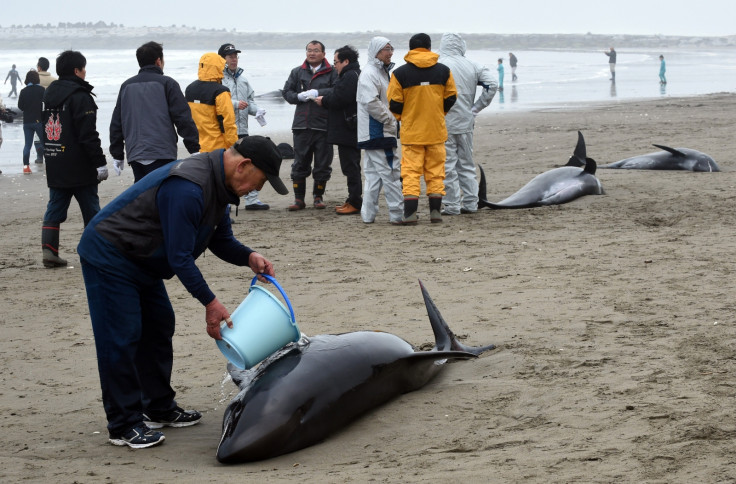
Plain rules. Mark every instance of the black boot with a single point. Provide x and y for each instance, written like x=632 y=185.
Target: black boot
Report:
x=318 y=191
x=435 y=207
x=300 y=189
x=50 y=245
x=410 y=211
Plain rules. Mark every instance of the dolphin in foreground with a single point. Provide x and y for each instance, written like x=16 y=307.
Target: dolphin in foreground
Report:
x=312 y=388
x=669 y=159
x=553 y=187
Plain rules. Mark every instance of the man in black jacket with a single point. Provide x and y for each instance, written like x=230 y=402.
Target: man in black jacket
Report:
x=149 y=107
x=315 y=77
x=342 y=124
x=75 y=163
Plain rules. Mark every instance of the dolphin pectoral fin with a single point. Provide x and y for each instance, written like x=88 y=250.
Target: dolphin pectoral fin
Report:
x=671 y=150
x=445 y=339
x=590 y=166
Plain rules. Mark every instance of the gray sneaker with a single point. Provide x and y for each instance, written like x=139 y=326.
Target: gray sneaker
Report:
x=139 y=437
x=176 y=418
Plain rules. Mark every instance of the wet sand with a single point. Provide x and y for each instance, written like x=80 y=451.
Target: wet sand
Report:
x=613 y=316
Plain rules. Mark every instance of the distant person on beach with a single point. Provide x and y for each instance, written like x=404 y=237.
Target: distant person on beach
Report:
x=662 y=70
x=314 y=77
x=377 y=134
x=75 y=163
x=30 y=101
x=244 y=104
x=612 y=63
x=461 y=184
x=154 y=230
x=500 y=73
x=420 y=93
x=149 y=112
x=43 y=72
x=212 y=105
x=342 y=125
x=14 y=78
x=512 y=62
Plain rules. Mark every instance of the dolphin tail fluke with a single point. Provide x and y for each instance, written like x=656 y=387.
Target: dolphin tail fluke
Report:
x=671 y=150
x=445 y=339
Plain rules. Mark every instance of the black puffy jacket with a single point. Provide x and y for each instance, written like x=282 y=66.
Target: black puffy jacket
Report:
x=341 y=105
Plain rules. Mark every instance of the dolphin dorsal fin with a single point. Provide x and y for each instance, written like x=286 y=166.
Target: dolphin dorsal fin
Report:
x=578 y=156
x=671 y=150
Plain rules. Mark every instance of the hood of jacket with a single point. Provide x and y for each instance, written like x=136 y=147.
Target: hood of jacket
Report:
x=422 y=58
x=374 y=47
x=452 y=44
x=59 y=91
x=211 y=67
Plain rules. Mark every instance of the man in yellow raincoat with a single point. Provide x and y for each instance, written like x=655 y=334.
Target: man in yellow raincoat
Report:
x=420 y=93
x=211 y=105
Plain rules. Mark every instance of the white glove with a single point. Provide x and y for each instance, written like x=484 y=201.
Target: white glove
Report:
x=474 y=111
x=101 y=173
x=260 y=112
x=118 y=165
x=302 y=96
x=312 y=93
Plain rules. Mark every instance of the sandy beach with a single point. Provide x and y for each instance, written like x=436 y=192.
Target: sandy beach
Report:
x=613 y=316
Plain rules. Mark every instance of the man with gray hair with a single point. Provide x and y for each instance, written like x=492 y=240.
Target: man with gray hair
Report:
x=377 y=133
x=461 y=184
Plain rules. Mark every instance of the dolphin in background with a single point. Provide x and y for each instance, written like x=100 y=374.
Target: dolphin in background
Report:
x=312 y=388
x=669 y=159
x=553 y=187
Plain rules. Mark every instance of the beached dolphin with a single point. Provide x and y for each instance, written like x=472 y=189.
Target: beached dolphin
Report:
x=553 y=187
x=669 y=159
x=310 y=389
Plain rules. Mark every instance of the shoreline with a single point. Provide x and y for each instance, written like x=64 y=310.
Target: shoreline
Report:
x=612 y=315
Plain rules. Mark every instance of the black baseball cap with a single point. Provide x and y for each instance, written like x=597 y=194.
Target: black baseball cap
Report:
x=227 y=49
x=265 y=156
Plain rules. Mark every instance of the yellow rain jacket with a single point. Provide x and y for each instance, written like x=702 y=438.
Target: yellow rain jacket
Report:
x=420 y=93
x=211 y=105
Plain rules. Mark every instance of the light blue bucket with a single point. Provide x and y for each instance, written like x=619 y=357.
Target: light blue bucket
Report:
x=261 y=326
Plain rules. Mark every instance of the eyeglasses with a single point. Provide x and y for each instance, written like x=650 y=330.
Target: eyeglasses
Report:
x=388 y=48
x=313 y=51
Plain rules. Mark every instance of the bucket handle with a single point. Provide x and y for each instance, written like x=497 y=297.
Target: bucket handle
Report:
x=283 y=293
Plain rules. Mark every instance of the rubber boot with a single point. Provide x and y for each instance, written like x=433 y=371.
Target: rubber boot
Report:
x=318 y=191
x=410 y=211
x=50 y=245
x=39 y=151
x=435 y=207
x=300 y=189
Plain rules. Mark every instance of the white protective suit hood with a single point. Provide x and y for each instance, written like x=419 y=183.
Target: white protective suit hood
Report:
x=375 y=46
x=468 y=75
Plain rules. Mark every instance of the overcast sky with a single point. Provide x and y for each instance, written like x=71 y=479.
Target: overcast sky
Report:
x=647 y=17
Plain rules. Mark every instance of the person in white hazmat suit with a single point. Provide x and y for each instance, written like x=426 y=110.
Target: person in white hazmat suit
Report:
x=461 y=184
x=377 y=133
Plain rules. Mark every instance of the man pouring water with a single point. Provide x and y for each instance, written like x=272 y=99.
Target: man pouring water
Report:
x=154 y=230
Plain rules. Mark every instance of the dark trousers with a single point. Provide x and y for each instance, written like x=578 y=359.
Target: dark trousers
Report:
x=61 y=198
x=29 y=129
x=350 y=165
x=311 y=145
x=133 y=324
x=140 y=170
